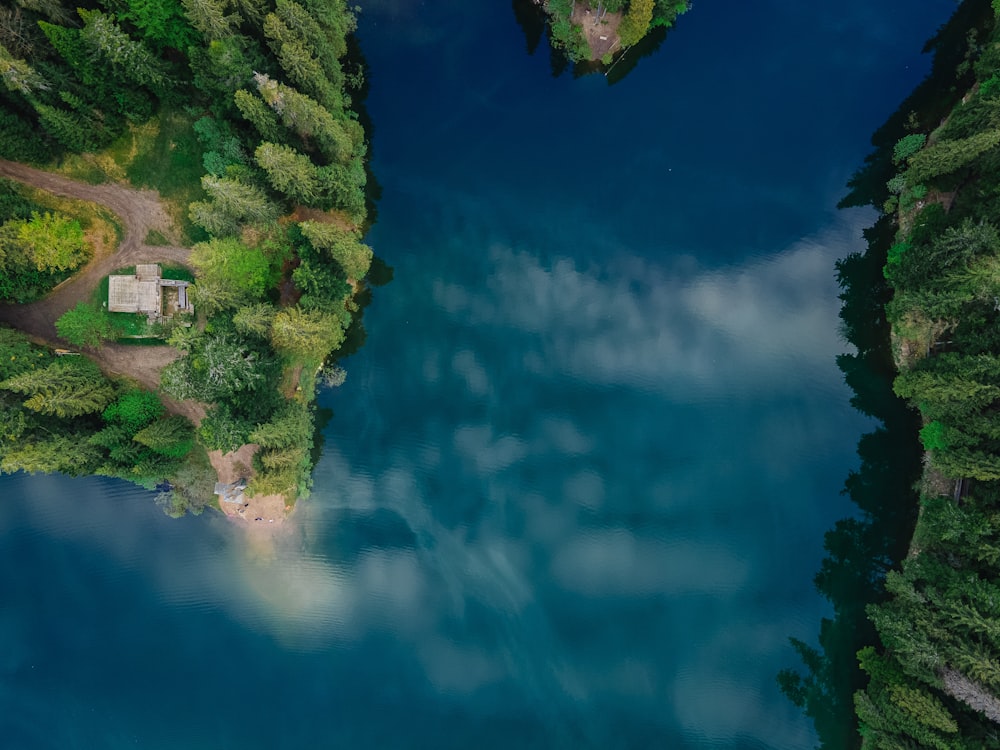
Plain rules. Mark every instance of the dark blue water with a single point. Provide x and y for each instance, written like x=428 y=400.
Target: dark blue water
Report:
x=575 y=487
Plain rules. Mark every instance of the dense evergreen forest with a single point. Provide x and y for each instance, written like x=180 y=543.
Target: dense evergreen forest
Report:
x=599 y=31
x=923 y=617
x=243 y=114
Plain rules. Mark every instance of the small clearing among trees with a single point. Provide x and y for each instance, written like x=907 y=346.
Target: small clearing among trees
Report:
x=599 y=29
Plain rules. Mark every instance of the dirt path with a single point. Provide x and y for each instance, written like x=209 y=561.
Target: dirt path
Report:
x=139 y=211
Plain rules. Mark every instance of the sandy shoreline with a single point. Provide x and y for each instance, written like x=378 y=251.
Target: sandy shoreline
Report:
x=257 y=511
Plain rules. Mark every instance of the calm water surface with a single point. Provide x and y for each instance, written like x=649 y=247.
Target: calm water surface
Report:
x=576 y=484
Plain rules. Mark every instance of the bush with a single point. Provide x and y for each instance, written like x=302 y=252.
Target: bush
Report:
x=86 y=325
x=907 y=146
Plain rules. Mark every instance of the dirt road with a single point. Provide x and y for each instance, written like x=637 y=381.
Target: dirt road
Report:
x=139 y=211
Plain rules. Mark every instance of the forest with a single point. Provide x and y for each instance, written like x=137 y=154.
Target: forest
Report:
x=922 y=613
x=244 y=115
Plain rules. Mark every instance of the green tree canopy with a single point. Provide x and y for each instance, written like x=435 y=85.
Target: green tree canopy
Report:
x=230 y=273
x=68 y=387
x=87 y=324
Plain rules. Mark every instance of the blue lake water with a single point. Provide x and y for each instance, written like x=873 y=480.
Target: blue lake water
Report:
x=575 y=487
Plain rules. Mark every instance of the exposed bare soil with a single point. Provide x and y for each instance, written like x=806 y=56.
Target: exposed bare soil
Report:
x=260 y=510
x=601 y=35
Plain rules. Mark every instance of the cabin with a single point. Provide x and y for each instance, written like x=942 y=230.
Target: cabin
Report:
x=147 y=292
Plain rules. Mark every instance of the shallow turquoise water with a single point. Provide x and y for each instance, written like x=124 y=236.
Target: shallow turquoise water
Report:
x=575 y=487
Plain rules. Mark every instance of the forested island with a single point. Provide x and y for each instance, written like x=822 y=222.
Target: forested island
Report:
x=594 y=35
x=912 y=656
x=175 y=338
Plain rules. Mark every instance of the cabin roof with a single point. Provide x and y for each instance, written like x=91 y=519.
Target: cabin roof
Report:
x=128 y=294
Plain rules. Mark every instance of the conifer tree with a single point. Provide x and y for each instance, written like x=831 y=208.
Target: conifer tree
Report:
x=209 y=17
x=289 y=172
x=172 y=436
x=299 y=62
x=130 y=58
x=310 y=334
x=68 y=387
x=307 y=118
x=342 y=246
x=257 y=113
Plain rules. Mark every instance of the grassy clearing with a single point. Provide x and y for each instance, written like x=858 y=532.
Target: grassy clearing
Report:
x=163 y=154
x=155 y=238
x=130 y=325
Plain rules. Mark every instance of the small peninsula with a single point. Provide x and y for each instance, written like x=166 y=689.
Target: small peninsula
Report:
x=182 y=203
x=599 y=31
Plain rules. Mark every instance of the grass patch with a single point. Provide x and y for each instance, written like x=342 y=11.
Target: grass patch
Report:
x=131 y=324
x=89 y=168
x=155 y=238
x=177 y=273
x=163 y=154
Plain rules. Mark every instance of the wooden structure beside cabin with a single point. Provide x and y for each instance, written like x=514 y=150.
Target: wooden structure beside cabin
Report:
x=147 y=292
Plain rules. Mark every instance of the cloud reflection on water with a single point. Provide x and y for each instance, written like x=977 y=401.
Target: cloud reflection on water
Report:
x=644 y=326
x=588 y=570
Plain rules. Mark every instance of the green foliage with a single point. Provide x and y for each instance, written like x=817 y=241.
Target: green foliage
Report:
x=292 y=426
x=308 y=334
x=18 y=355
x=172 y=437
x=298 y=61
x=209 y=17
x=255 y=319
x=51 y=242
x=932 y=435
x=907 y=146
x=344 y=247
x=564 y=34
x=325 y=34
x=69 y=453
x=18 y=76
x=947 y=157
x=257 y=113
x=223 y=430
x=990 y=87
x=290 y=172
x=897 y=184
x=87 y=324
x=635 y=22
x=322 y=284
x=217 y=368
x=311 y=121
x=233 y=204
x=162 y=22
x=67 y=387
x=212 y=68
x=191 y=485
x=230 y=273
x=133 y=410
x=129 y=58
